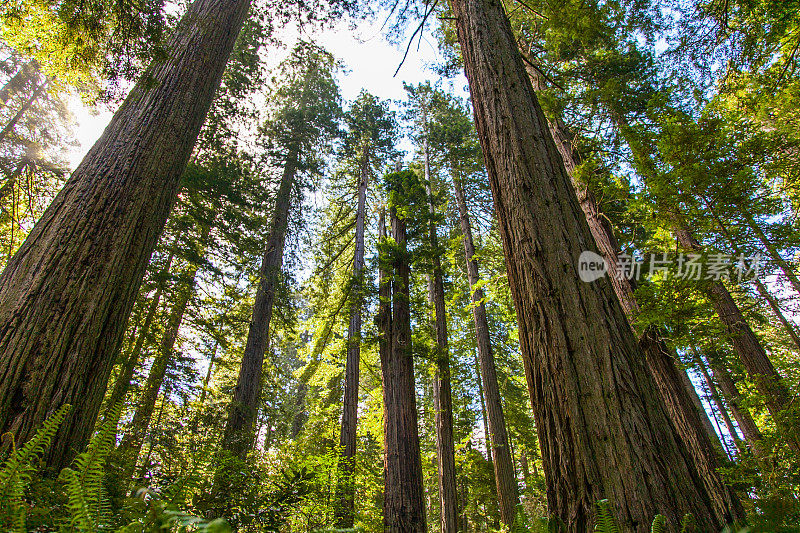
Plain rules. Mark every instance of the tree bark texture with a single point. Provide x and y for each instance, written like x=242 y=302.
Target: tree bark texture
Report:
x=404 y=498
x=66 y=295
x=602 y=426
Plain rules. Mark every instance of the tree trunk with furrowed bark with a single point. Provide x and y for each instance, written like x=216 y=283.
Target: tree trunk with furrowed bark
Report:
x=507 y=488
x=442 y=388
x=404 y=498
x=66 y=295
x=239 y=429
x=602 y=426
x=345 y=485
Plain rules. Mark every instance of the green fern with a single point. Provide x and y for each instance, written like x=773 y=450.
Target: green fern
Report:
x=88 y=505
x=659 y=524
x=605 y=518
x=15 y=473
x=688 y=524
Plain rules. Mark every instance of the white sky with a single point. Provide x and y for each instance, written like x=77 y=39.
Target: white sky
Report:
x=370 y=62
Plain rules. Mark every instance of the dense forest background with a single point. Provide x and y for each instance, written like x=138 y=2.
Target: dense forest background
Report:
x=257 y=306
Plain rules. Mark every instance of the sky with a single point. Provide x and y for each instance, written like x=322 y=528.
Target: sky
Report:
x=370 y=63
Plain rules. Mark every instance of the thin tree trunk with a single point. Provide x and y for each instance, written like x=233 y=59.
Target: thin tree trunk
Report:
x=8 y=128
x=788 y=327
x=345 y=511
x=66 y=295
x=773 y=303
x=238 y=438
x=442 y=393
x=748 y=348
x=788 y=271
x=712 y=389
x=589 y=385
x=487 y=439
x=131 y=444
x=146 y=462
x=404 y=499
x=207 y=379
x=526 y=470
x=123 y=382
x=507 y=488
x=742 y=415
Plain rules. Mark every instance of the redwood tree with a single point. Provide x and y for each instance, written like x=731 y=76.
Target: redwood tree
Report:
x=603 y=429
x=368 y=142
x=302 y=126
x=404 y=502
x=66 y=295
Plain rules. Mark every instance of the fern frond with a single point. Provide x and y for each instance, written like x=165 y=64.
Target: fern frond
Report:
x=87 y=502
x=659 y=524
x=605 y=518
x=688 y=524
x=16 y=471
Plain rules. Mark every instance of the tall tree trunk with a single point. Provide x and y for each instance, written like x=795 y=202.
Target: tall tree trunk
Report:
x=404 y=499
x=66 y=295
x=735 y=400
x=442 y=393
x=679 y=395
x=589 y=386
x=239 y=429
x=771 y=300
x=131 y=444
x=507 y=488
x=723 y=411
x=9 y=127
x=788 y=271
x=748 y=348
x=128 y=367
x=345 y=484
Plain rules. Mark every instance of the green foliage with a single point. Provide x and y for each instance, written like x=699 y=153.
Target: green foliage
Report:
x=88 y=508
x=87 y=501
x=659 y=524
x=16 y=472
x=604 y=519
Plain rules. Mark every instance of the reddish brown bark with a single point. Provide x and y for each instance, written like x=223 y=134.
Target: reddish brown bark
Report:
x=66 y=295
x=404 y=500
x=590 y=389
